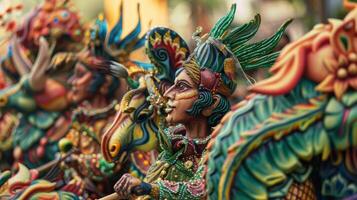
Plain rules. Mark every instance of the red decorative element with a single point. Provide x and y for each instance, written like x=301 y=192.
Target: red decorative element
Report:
x=18 y=186
x=175 y=58
x=143 y=160
x=327 y=55
x=210 y=80
x=8 y=10
x=51 y=93
x=172 y=186
x=74 y=186
x=11 y=26
x=2 y=81
x=40 y=151
x=19 y=7
x=43 y=141
x=34 y=174
x=50 y=17
x=197 y=188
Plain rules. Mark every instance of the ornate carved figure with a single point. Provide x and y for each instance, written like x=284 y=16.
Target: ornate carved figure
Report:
x=82 y=115
x=134 y=132
x=195 y=103
x=39 y=107
x=76 y=111
x=55 y=21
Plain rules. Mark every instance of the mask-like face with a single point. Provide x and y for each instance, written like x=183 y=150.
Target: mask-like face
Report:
x=56 y=23
x=80 y=82
x=181 y=97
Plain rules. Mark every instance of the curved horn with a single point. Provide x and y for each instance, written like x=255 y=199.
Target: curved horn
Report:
x=38 y=76
x=22 y=63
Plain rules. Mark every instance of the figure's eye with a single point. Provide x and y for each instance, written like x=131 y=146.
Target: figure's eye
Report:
x=181 y=86
x=56 y=20
x=143 y=115
x=114 y=149
x=64 y=14
x=61 y=17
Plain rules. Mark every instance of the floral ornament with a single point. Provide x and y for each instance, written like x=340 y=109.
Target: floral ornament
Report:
x=341 y=68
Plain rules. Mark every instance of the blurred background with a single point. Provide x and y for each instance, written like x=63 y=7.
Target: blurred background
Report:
x=185 y=15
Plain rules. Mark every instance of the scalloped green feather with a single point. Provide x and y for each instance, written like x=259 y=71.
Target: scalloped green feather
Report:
x=243 y=33
x=222 y=25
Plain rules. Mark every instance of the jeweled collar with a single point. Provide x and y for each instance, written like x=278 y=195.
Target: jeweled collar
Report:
x=178 y=139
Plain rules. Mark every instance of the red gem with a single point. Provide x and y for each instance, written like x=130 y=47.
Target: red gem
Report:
x=11 y=26
x=8 y=10
x=43 y=141
x=40 y=151
x=19 y=7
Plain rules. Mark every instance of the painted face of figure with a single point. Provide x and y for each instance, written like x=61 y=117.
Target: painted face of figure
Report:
x=80 y=83
x=181 y=97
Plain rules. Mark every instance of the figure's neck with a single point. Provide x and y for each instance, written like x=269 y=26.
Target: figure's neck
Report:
x=197 y=128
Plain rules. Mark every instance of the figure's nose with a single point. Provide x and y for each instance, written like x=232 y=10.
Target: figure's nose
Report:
x=169 y=94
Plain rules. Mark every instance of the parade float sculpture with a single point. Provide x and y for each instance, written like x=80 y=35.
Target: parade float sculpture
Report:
x=296 y=137
x=39 y=110
x=76 y=113
x=193 y=105
x=8 y=121
x=97 y=92
x=56 y=21
x=25 y=185
x=133 y=134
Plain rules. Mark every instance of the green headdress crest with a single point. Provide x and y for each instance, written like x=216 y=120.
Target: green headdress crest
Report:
x=227 y=52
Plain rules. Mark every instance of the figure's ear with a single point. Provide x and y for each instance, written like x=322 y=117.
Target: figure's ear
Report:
x=208 y=111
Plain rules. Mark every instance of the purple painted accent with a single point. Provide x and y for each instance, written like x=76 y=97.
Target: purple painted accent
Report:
x=344 y=119
x=353 y=197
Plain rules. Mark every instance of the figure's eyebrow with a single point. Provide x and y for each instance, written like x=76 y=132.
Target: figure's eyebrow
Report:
x=183 y=80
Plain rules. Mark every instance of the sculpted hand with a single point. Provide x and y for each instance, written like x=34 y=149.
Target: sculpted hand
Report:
x=125 y=184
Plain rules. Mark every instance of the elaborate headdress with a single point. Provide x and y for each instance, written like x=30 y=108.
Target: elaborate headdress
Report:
x=56 y=18
x=218 y=60
x=221 y=55
x=108 y=52
x=111 y=45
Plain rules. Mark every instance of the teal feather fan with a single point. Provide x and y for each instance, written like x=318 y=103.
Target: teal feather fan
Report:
x=250 y=55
